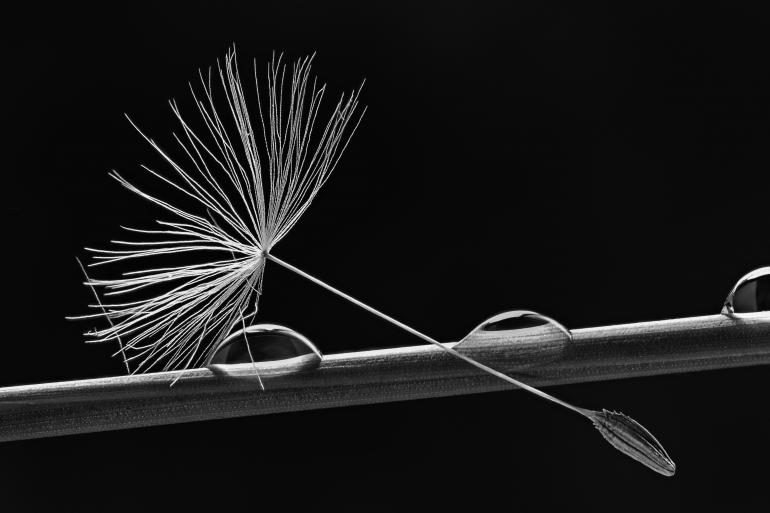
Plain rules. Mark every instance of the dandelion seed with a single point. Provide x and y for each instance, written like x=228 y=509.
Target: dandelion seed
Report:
x=253 y=190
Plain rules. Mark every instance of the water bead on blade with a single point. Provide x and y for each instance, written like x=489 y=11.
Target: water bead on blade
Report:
x=521 y=337
x=266 y=343
x=751 y=293
x=518 y=321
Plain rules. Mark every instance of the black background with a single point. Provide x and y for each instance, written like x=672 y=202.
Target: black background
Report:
x=597 y=163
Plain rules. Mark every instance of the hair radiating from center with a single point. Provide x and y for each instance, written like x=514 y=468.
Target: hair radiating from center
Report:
x=245 y=175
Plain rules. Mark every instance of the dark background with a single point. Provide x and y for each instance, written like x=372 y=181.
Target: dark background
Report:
x=597 y=163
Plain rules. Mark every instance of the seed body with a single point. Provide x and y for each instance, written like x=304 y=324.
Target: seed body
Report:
x=632 y=439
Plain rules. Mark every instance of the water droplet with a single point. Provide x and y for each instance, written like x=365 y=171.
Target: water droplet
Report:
x=750 y=294
x=520 y=337
x=263 y=343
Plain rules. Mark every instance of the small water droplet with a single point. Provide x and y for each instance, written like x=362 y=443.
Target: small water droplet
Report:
x=261 y=343
x=750 y=294
x=516 y=320
x=521 y=337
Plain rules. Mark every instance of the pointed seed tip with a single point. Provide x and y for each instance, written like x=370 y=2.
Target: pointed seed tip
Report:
x=633 y=440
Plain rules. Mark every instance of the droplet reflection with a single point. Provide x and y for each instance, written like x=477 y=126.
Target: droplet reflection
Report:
x=750 y=294
x=516 y=320
x=522 y=337
x=266 y=343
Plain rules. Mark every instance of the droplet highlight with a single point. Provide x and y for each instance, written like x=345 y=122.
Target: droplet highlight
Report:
x=266 y=343
x=520 y=337
x=751 y=293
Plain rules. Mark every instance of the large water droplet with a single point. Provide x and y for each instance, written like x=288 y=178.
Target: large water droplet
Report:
x=263 y=343
x=520 y=337
x=750 y=294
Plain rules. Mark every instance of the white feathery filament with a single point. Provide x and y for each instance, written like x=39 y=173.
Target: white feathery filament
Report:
x=247 y=182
